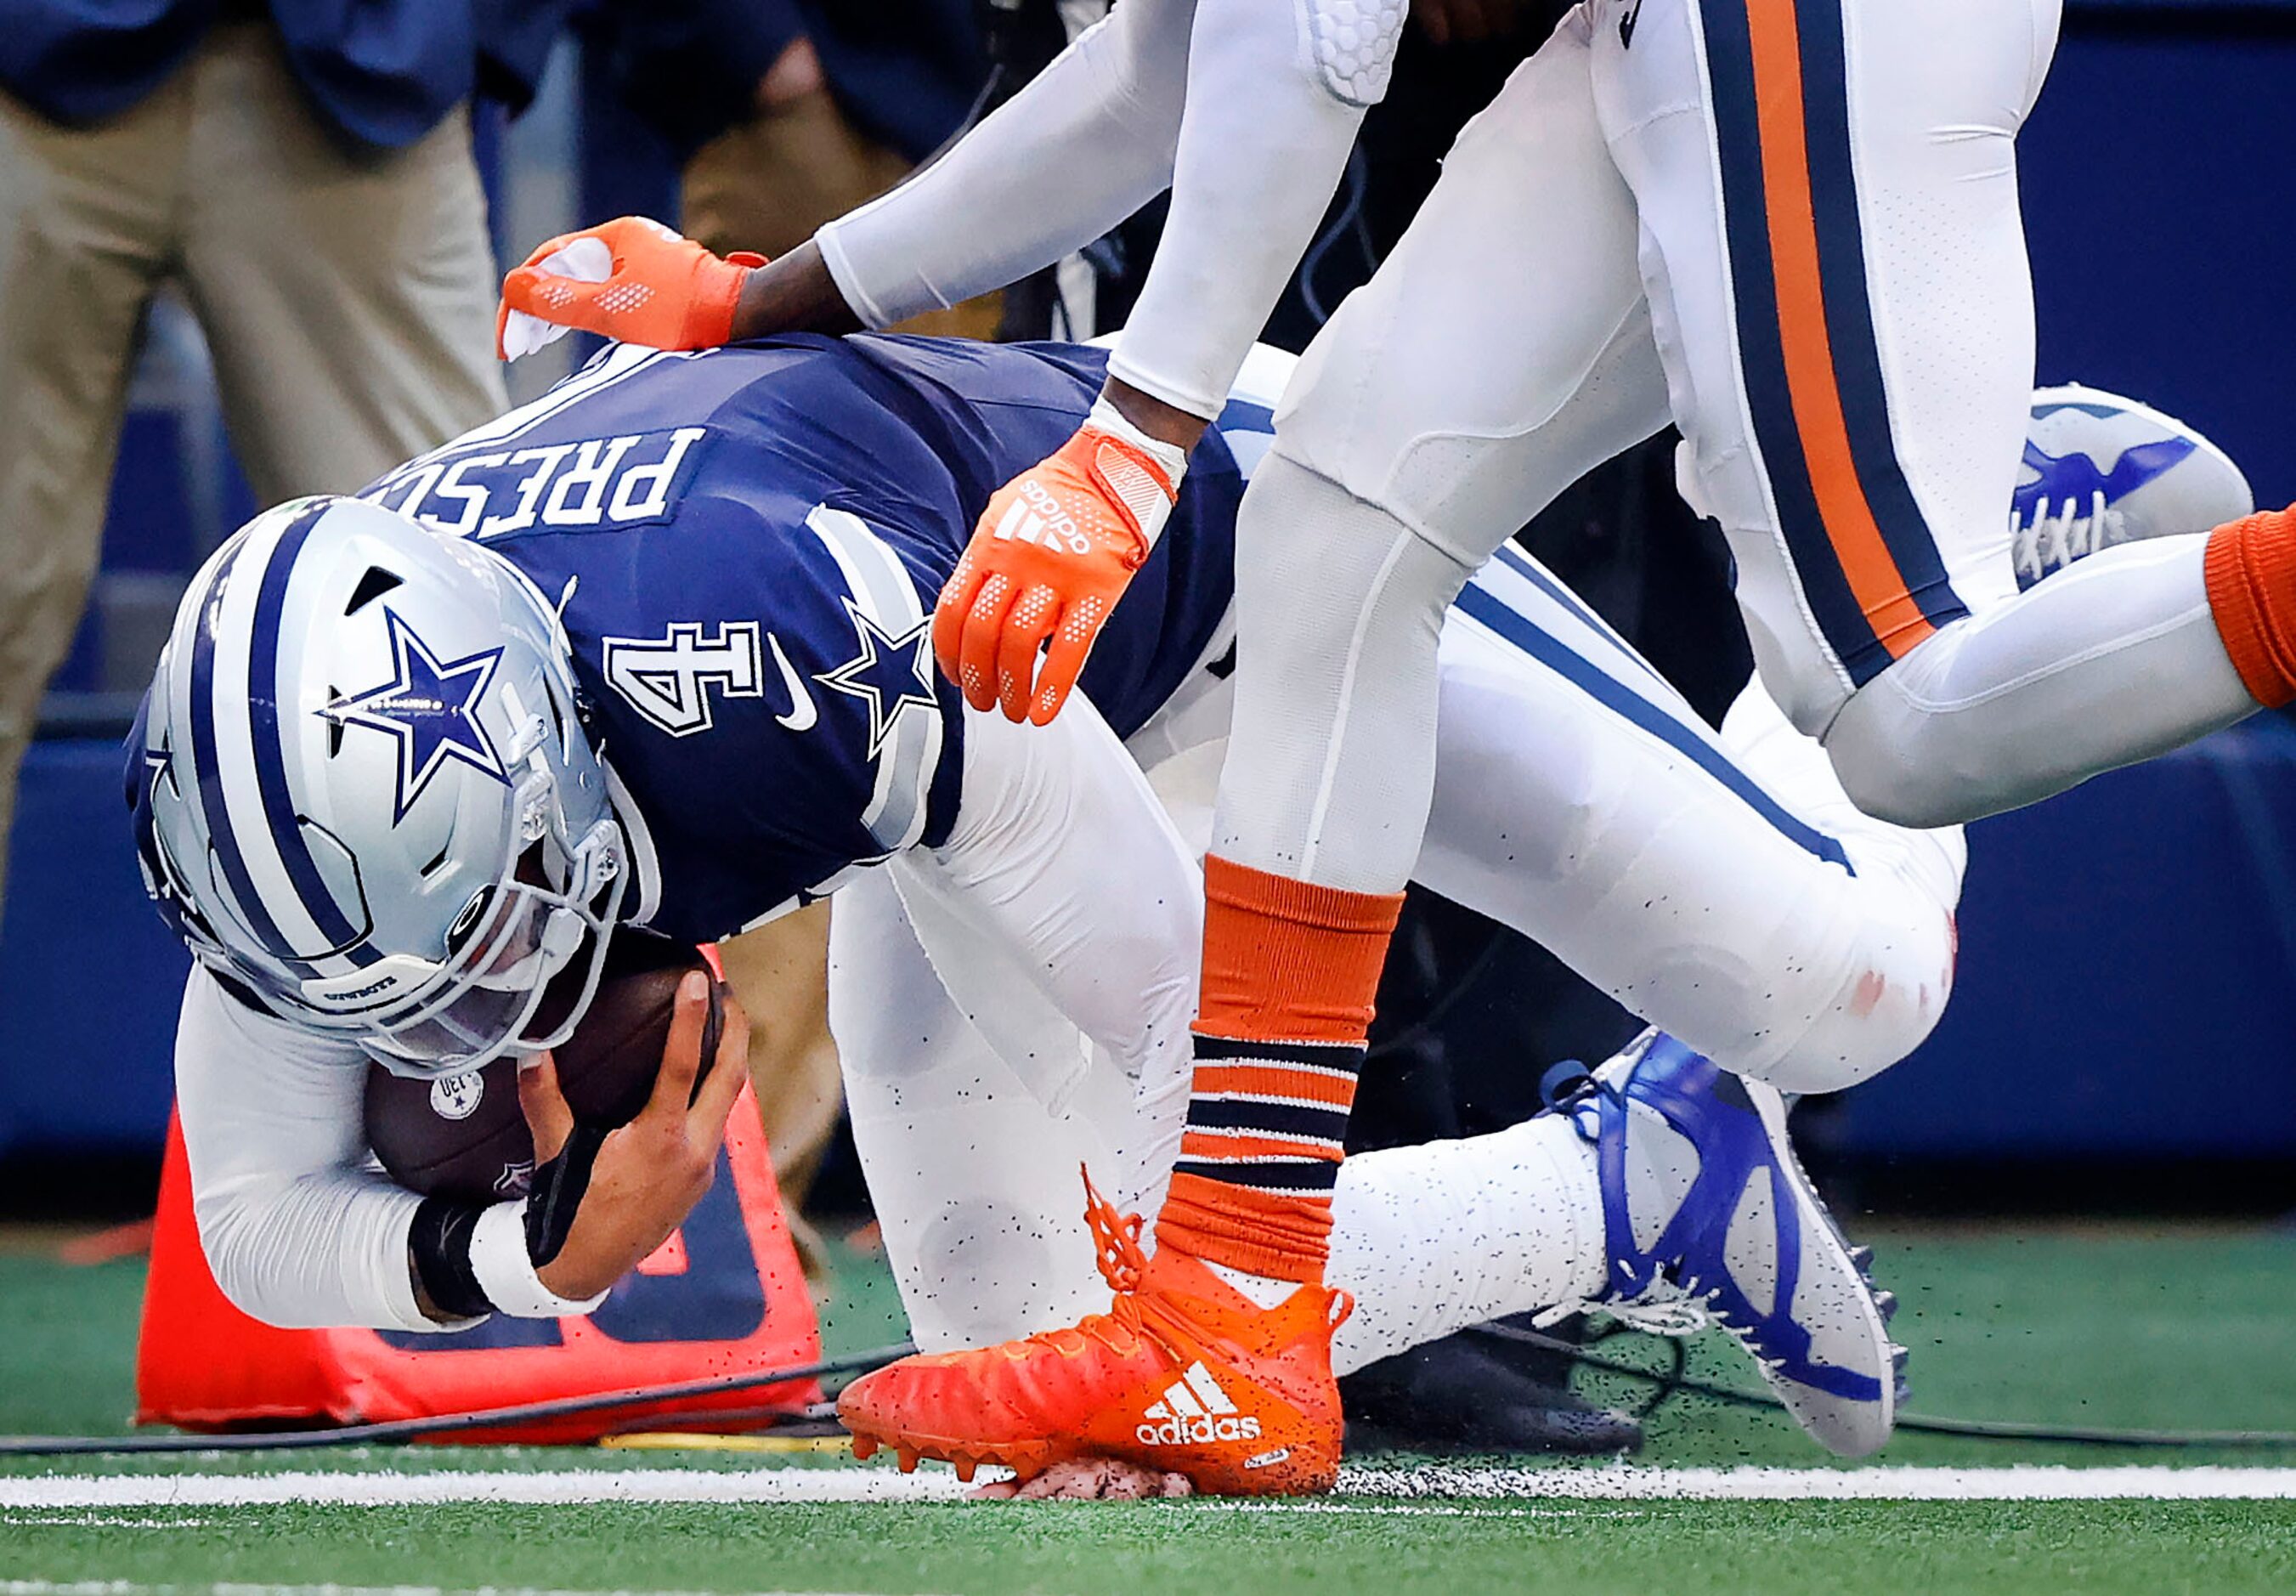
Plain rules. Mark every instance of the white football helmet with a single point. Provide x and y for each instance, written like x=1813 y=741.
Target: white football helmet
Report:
x=362 y=790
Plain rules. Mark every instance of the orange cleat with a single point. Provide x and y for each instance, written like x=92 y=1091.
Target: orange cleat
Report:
x=1183 y=1374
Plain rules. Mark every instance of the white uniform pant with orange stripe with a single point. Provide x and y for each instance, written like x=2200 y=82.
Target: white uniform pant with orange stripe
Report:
x=1790 y=227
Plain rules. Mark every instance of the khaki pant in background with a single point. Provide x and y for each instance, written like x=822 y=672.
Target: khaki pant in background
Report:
x=347 y=294
x=780 y=973
x=767 y=183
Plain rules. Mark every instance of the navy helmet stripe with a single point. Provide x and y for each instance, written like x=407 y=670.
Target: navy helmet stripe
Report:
x=267 y=739
x=1620 y=700
x=207 y=766
x=1761 y=351
x=1849 y=314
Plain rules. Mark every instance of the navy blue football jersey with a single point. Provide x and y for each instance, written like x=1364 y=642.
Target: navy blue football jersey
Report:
x=746 y=544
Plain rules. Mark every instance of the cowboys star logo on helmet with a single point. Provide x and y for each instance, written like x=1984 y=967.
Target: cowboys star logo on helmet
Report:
x=427 y=705
x=429 y=865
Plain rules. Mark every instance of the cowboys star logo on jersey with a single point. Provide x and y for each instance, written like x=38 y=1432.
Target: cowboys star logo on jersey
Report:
x=429 y=706
x=889 y=673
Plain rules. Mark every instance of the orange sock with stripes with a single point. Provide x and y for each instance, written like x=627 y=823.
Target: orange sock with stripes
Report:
x=2251 y=567
x=1290 y=973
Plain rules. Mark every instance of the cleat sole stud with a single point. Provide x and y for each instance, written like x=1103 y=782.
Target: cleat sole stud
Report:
x=907 y=1457
x=864 y=1447
x=965 y=1468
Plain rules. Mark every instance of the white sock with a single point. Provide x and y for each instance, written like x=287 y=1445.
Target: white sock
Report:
x=1436 y=1238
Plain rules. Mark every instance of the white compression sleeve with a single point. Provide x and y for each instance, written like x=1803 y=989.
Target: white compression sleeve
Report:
x=1088 y=143
x=297 y=1231
x=1273 y=106
x=1332 y=761
x=1246 y=108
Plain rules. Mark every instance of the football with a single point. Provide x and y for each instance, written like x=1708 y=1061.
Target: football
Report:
x=466 y=1135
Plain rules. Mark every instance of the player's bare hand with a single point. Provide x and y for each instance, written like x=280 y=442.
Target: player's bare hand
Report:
x=631 y=278
x=649 y=1173
x=1048 y=561
x=1090 y=1480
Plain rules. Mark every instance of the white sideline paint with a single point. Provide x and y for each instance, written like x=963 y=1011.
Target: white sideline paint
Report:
x=1621 y=1483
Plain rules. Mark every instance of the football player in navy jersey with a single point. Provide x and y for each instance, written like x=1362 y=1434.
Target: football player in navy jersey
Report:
x=653 y=654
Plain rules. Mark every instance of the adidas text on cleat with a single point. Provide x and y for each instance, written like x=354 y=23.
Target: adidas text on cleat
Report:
x=1194 y=1410
x=1706 y=1208
x=2101 y=470
x=1183 y=1374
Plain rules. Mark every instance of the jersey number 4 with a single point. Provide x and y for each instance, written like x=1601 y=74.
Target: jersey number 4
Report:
x=670 y=680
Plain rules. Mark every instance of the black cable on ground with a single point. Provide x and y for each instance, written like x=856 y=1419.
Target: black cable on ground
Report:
x=417 y=1430
x=1668 y=1382
x=1664 y=1383
x=1979 y=1429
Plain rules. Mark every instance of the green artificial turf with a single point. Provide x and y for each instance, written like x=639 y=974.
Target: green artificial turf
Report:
x=2186 y=1328
x=68 y=1345
x=1782 y=1549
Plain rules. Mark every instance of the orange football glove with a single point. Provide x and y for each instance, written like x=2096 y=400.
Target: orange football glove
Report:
x=632 y=279
x=1049 y=559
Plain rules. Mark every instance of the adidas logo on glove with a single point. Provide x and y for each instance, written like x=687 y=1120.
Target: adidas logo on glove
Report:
x=1194 y=1410
x=1037 y=517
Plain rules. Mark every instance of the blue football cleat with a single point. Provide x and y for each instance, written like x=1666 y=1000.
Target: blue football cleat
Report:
x=1706 y=1208
x=2100 y=470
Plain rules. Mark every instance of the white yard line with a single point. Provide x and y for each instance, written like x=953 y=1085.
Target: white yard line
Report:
x=2021 y=1483
x=568 y=1487
x=130 y=1587
x=23 y=1500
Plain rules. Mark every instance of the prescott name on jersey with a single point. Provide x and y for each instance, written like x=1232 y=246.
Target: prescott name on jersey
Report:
x=745 y=544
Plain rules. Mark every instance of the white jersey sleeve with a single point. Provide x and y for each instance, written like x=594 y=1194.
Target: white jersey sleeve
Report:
x=1246 y=108
x=299 y=1226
